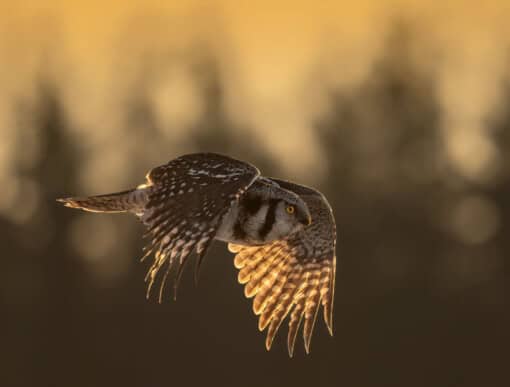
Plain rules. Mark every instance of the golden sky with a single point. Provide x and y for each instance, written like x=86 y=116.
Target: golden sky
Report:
x=277 y=64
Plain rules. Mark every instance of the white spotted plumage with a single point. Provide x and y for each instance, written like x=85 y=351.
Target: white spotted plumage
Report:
x=283 y=234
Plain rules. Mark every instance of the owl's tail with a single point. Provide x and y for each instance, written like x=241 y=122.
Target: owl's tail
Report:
x=132 y=200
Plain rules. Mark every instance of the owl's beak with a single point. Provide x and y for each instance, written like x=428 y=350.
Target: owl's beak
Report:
x=305 y=219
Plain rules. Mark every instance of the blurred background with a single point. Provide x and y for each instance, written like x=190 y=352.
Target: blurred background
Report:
x=399 y=111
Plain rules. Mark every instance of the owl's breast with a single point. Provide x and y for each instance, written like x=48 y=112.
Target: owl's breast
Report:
x=244 y=221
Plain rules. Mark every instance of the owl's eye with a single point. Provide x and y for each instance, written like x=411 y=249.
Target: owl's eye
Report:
x=290 y=209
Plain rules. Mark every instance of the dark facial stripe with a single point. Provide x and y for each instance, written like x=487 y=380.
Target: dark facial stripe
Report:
x=270 y=219
x=238 y=231
x=252 y=204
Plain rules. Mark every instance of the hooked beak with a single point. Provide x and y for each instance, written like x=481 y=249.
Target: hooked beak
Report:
x=305 y=219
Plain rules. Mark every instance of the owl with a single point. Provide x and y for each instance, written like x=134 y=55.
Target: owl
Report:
x=283 y=235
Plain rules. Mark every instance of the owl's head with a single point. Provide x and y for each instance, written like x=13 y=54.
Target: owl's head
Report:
x=295 y=211
x=290 y=214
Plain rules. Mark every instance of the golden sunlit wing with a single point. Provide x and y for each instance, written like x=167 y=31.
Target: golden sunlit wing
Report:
x=294 y=276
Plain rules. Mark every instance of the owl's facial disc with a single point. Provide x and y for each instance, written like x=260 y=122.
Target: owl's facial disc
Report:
x=299 y=211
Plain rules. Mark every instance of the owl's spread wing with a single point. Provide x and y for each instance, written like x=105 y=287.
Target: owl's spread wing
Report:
x=186 y=202
x=294 y=275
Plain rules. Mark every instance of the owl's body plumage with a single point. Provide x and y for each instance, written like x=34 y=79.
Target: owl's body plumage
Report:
x=283 y=233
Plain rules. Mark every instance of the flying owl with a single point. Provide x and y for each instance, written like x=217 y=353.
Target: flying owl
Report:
x=283 y=234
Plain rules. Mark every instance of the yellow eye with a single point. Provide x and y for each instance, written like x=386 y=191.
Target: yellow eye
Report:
x=290 y=209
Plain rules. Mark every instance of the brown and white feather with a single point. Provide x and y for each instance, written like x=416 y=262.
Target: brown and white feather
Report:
x=188 y=198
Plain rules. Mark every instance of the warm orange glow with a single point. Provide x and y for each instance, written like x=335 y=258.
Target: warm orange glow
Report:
x=277 y=62
x=130 y=76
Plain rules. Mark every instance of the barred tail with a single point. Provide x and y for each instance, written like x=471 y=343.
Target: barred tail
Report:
x=132 y=200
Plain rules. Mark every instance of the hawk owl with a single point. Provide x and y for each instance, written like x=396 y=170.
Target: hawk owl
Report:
x=283 y=234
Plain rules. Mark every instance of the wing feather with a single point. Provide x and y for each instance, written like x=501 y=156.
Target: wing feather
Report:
x=282 y=291
x=263 y=273
x=290 y=297
x=311 y=306
x=266 y=285
x=187 y=199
